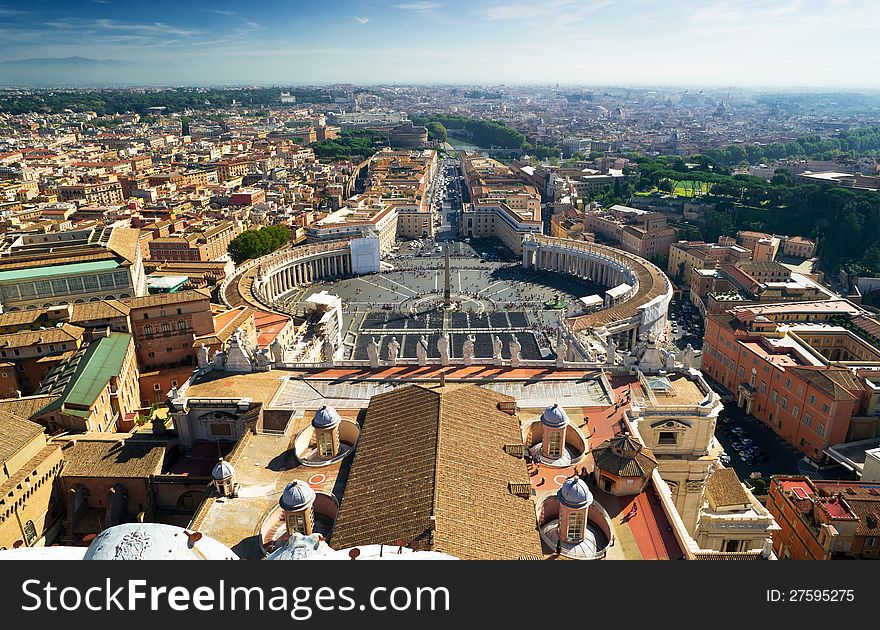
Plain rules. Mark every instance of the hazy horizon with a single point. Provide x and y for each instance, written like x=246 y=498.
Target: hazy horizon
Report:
x=791 y=45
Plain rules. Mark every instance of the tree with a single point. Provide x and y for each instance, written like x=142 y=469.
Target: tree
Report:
x=436 y=131
x=256 y=243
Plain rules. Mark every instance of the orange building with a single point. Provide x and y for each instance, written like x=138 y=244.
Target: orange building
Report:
x=825 y=520
x=786 y=372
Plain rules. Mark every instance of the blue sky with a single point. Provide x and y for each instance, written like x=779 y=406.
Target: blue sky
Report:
x=786 y=43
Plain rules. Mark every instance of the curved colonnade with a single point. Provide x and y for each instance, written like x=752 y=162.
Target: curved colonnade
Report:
x=641 y=309
x=261 y=282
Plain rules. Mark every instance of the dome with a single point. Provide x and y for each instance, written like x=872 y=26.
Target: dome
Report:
x=574 y=493
x=326 y=418
x=301 y=547
x=554 y=417
x=155 y=541
x=296 y=496
x=223 y=470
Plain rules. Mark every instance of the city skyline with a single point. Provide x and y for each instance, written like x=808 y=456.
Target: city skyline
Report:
x=600 y=42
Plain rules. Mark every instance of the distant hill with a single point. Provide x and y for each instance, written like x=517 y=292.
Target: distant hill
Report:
x=65 y=71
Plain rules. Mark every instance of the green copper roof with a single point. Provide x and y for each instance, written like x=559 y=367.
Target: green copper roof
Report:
x=36 y=273
x=102 y=360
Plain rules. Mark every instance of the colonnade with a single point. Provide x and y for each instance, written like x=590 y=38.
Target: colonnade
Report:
x=298 y=272
x=583 y=260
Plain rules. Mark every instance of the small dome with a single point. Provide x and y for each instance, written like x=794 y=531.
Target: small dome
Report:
x=301 y=547
x=223 y=470
x=326 y=418
x=155 y=541
x=554 y=417
x=296 y=496
x=574 y=493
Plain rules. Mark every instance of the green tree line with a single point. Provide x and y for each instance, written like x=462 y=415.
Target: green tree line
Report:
x=174 y=100
x=256 y=243
x=846 y=221
x=363 y=142
x=484 y=133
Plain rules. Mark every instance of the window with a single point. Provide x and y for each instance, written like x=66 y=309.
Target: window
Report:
x=325 y=444
x=148 y=330
x=297 y=523
x=812 y=399
x=732 y=546
x=784 y=402
x=870 y=541
x=808 y=420
x=763 y=387
x=667 y=438
x=826 y=408
x=774 y=395
x=575 y=528
x=554 y=444
x=795 y=411
x=820 y=429
x=181 y=325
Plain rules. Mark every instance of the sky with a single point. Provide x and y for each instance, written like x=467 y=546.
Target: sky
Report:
x=749 y=43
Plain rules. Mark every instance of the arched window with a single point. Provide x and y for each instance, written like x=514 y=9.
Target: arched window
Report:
x=166 y=327
x=148 y=329
x=181 y=325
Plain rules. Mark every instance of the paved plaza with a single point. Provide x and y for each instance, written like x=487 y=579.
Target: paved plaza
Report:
x=493 y=297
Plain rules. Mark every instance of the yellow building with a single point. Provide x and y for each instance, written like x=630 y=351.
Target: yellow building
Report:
x=28 y=468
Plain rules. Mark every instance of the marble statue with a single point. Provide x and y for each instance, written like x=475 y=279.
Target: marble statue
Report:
x=515 y=351
x=329 y=351
x=497 y=348
x=561 y=352
x=373 y=353
x=611 y=352
x=669 y=361
x=467 y=350
x=393 y=351
x=443 y=348
x=203 y=356
x=689 y=356
x=277 y=351
x=263 y=359
x=422 y=350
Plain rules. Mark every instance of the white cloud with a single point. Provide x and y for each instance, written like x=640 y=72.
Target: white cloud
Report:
x=361 y=19
x=420 y=7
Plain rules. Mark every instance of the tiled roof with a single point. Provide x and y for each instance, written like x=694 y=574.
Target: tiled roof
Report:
x=438 y=452
x=635 y=460
x=105 y=309
x=65 y=332
x=15 y=433
x=159 y=299
x=833 y=381
x=725 y=488
x=112 y=458
x=26 y=406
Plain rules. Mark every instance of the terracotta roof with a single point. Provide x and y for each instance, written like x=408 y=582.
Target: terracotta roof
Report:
x=438 y=452
x=124 y=242
x=624 y=456
x=62 y=333
x=26 y=406
x=15 y=434
x=19 y=318
x=725 y=489
x=105 y=309
x=160 y=299
x=836 y=382
x=112 y=458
